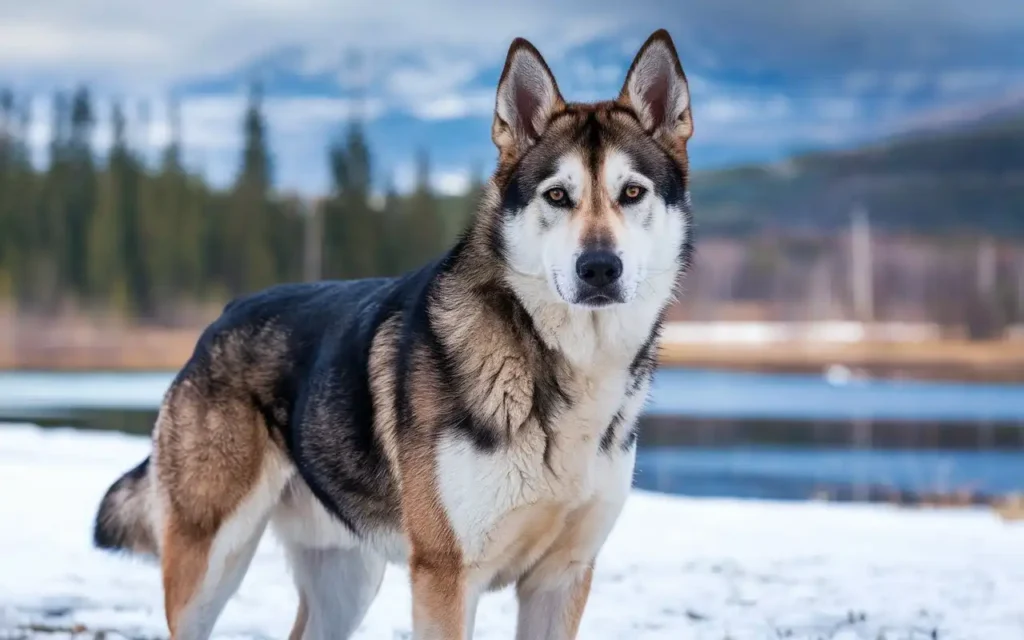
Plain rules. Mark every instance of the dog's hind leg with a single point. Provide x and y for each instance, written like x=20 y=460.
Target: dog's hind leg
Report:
x=201 y=575
x=336 y=588
x=201 y=571
x=219 y=475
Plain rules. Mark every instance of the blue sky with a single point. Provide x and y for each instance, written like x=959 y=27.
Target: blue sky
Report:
x=767 y=78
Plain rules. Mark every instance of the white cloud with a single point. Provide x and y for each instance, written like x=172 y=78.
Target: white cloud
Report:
x=452 y=182
x=447 y=181
x=587 y=74
x=426 y=59
x=129 y=43
x=455 y=105
x=418 y=58
x=727 y=109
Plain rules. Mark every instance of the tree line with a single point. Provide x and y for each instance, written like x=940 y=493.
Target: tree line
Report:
x=117 y=234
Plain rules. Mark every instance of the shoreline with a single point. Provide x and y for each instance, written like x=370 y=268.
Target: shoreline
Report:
x=715 y=359
x=126 y=348
x=950 y=360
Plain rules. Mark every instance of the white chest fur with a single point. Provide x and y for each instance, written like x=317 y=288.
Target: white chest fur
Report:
x=509 y=507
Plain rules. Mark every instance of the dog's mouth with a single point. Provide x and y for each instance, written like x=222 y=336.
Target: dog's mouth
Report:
x=598 y=299
x=588 y=296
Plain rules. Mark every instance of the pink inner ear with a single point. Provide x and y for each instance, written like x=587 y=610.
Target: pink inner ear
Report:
x=657 y=96
x=526 y=106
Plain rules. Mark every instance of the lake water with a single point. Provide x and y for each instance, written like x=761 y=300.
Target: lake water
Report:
x=707 y=433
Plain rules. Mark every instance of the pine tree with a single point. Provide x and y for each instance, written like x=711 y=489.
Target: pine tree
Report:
x=107 y=265
x=17 y=202
x=335 y=232
x=351 y=228
x=391 y=246
x=127 y=176
x=249 y=263
x=477 y=182
x=426 y=234
x=42 y=285
x=183 y=220
x=119 y=236
x=8 y=204
x=80 y=200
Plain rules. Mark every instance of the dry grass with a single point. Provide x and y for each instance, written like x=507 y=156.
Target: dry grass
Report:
x=955 y=359
x=98 y=347
x=82 y=344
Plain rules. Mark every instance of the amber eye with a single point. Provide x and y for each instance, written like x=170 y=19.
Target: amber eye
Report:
x=557 y=197
x=632 y=193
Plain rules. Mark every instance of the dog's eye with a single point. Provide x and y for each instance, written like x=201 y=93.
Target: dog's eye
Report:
x=632 y=193
x=557 y=197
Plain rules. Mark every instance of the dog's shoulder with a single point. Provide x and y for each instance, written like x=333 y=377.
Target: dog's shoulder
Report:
x=338 y=434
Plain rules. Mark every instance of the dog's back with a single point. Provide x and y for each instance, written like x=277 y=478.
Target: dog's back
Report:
x=292 y=347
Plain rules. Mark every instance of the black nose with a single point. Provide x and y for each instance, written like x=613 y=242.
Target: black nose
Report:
x=598 y=268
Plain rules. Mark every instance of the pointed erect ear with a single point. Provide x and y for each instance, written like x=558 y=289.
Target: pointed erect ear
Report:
x=527 y=97
x=656 y=89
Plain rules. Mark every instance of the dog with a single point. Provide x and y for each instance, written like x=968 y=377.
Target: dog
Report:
x=474 y=419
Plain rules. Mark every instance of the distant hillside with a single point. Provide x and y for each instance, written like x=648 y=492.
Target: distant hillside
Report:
x=963 y=179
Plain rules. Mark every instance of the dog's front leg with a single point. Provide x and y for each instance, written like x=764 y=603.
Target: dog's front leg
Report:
x=439 y=605
x=551 y=602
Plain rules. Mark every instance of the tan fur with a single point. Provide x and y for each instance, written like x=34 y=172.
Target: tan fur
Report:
x=209 y=456
x=597 y=211
x=580 y=594
x=209 y=453
x=439 y=597
x=565 y=557
x=382 y=386
x=435 y=561
x=565 y=551
x=460 y=321
x=520 y=540
x=538 y=544
x=184 y=562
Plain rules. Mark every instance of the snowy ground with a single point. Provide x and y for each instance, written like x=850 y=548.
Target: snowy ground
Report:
x=674 y=568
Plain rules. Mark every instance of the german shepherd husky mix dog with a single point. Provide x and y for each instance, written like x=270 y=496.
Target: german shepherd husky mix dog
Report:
x=473 y=419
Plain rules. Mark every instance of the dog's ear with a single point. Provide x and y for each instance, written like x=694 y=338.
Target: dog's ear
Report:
x=657 y=91
x=527 y=97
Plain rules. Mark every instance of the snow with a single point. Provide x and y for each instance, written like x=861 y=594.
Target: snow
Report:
x=673 y=567
x=819 y=332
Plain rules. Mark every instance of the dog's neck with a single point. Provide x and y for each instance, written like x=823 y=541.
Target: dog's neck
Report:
x=589 y=339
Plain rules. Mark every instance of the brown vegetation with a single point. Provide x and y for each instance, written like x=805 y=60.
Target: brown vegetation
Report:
x=76 y=344
x=951 y=359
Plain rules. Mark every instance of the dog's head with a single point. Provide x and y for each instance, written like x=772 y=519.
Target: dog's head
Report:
x=594 y=200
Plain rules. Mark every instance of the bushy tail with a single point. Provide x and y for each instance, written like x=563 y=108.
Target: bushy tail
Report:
x=123 y=520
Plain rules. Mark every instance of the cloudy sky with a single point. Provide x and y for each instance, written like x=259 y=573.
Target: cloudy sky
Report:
x=767 y=77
